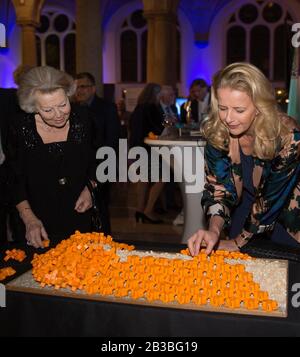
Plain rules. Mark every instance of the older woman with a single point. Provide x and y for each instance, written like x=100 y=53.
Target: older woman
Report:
x=53 y=162
x=252 y=163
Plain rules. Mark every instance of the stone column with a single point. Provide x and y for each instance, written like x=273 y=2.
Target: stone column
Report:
x=89 y=39
x=28 y=17
x=162 y=45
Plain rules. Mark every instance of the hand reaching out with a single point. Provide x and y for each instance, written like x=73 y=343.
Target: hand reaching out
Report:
x=84 y=201
x=36 y=233
x=202 y=237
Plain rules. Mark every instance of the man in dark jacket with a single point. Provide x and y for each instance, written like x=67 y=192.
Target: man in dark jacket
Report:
x=197 y=104
x=167 y=106
x=9 y=108
x=5 y=101
x=106 y=130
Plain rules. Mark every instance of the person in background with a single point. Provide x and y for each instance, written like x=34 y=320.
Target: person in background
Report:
x=106 y=132
x=197 y=104
x=193 y=111
x=170 y=115
x=10 y=223
x=3 y=191
x=51 y=158
x=147 y=117
x=167 y=105
x=124 y=117
x=252 y=164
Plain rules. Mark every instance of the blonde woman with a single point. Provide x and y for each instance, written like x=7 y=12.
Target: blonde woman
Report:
x=252 y=164
x=51 y=158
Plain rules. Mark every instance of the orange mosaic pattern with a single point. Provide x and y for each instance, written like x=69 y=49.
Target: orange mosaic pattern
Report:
x=84 y=262
x=152 y=136
x=15 y=254
x=5 y=272
x=46 y=243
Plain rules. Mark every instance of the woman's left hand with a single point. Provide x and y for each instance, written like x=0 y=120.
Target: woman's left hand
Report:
x=84 y=201
x=228 y=245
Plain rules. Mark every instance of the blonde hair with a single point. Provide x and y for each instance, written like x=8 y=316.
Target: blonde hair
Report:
x=44 y=80
x=268 y=127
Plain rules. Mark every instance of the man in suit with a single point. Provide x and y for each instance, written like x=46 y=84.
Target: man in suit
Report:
x=4 y=104
x=193 y=111
x=198 y=102
x=9 y=108
x=106 y=130
x=169 y=114
x=167 y=103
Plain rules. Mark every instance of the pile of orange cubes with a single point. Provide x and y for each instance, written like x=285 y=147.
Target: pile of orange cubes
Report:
x=15 y=254
x=5 y=272
x=90 y=262
x=152 y=136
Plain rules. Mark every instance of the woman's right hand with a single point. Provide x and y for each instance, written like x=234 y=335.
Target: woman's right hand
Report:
x=35 y=233
x=202 y=236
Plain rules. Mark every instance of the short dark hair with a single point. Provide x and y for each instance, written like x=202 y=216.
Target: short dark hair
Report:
x=199 y=82
x=88 y=76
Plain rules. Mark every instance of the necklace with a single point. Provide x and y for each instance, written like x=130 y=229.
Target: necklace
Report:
x=49 y=128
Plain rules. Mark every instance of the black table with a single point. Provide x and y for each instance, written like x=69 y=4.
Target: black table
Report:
x=29 y=314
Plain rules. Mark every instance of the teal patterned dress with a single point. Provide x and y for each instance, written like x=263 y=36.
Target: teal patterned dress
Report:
x=272 y=196
x=240 y=213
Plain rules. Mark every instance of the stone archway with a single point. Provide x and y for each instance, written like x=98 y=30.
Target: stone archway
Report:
x=162 y=27
x=28 y=18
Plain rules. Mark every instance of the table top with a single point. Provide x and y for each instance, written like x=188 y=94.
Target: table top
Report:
x=178 y=141
x=30 y=314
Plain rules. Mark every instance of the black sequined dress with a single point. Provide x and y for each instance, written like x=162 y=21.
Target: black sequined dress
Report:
x=52 y=176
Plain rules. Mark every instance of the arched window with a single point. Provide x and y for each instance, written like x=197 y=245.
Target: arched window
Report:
x=259 y=32
x=52 y=51
x=133 y=49
x=236 y=44
x=129 y=56
x=56 y=41
x=260 y=48
x=70 y=49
